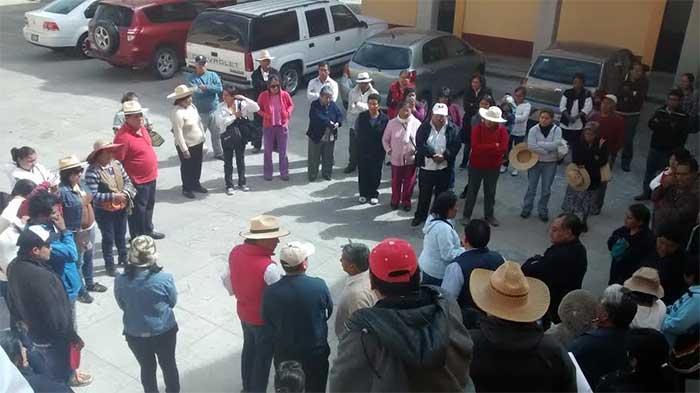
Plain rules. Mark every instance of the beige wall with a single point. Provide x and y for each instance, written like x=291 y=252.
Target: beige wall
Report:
x=634 y=25
x=512 y=19
x=395 y=12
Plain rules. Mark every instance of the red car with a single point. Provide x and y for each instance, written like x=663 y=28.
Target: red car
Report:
x=144 y=33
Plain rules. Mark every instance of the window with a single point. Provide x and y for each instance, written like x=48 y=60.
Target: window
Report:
x=120 y=16
x=562 y=70
x=275 y=30
x=455 y=47
x=220 y=30
x=63 y=6
x=433 y=51
x=383 y=57
x=343 y=18
x=173 y=12
x=90 y=10
x=317 y=21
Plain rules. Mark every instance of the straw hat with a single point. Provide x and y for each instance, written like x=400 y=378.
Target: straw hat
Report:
x=264 y=55
x=181 y=91
x=99 y=145
x=264 y=227
x=507 y=294
x=522 y=158
x=69 y=162
x=646 y=280
x=494 y=114
x=132 y=107
x=577 y=177
x=363 y=77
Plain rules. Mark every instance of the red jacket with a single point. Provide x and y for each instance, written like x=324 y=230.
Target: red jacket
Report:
x=394 y=98
x=266 y=108
x=247 y=264
x=488 y=146
x=612 y=129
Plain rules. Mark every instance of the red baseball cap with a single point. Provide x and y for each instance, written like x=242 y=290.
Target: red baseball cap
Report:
x=393 y=260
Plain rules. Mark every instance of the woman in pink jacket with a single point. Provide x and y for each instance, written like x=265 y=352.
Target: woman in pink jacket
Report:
x=400 y=143
x=276 y=109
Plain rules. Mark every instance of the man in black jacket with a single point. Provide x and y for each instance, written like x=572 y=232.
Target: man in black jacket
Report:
x=36 y=298
x=631 y=97
x=259 y=78
x=564 y=263
x=669 y=131
x=437 y=144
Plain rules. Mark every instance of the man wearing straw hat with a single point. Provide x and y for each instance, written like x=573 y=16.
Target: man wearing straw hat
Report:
x=259 y=77
x=251 y=271
x=511 y=352
x=357 y=103
x=141 y=164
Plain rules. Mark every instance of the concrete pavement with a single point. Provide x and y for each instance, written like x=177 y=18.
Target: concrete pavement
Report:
x=61 y=105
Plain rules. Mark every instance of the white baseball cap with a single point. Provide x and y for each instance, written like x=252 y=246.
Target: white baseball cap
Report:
x=294 y=253
x=611 y=97
x=440 y=109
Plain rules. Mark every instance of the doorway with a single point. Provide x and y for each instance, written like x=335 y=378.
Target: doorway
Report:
x=446 y=15
x=672 y=34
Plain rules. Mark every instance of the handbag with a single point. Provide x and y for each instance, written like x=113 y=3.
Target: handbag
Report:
x=231 y=137
x=156 y=139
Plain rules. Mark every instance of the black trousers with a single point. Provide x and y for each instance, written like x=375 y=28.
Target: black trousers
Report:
x=369 y=175
x=141 y=218
x=256 y=140
x=191 y=168
x=239 y=152
x=430 y=183
x=490 y=179
x=570 y=136
x=352 y=149
x=162 y=347
x=256 y=357
x=315 y=366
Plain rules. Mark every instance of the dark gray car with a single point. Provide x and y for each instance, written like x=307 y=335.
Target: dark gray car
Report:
x=435 y=59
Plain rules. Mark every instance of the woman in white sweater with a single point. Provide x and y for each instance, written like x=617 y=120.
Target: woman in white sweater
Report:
x=189 y=140
x=441 y=243
x=233 y=107
x=522 y=114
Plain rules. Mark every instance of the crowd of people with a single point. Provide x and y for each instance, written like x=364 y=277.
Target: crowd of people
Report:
x=451 y=317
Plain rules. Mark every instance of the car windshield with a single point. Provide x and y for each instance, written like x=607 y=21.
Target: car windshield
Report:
x=219 y=30
x=120 y=16
x=383 y=57
x=63 y=6
x=562 y=70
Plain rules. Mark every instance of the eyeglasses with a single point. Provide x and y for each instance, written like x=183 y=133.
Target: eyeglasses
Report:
x=274 y=86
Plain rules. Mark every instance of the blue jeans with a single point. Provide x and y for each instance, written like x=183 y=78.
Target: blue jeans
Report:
x=54 y=358
x=256 y=357
x=546 y=171
x=85 y=265
x=427 y=279
x=113 y=228
x=657 y=160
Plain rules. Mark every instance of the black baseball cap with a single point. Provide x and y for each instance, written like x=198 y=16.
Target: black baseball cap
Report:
x=199 y=59
x=36 y=236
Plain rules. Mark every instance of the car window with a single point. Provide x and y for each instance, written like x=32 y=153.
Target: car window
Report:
x=90 y=10
x=455 y=47
x=172 y=12
x=275 y=30
x=434 y=50
x=63 y=6
x=562 y=70
x=383 y=57
x=343 y=18
x=120 y=16
x=317 y=21
x=220 y=30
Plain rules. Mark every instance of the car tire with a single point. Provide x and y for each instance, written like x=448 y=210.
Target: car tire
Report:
x=106 y=37
x=291 y=77
x=165 y=62
x=81 y=47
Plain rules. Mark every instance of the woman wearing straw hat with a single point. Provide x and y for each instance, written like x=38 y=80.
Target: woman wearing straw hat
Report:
x=79 y=216
x=112 y=197
x=511 y=352
x=147 y=295
x=646 y=290
x=543 y=139
x=189 y=140
x=589 y=155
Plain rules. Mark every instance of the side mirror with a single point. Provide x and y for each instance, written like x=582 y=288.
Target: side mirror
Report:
x=363 y=24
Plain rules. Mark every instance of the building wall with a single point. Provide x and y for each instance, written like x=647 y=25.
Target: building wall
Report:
x=501 y=26
x=395 y=12
x=617 y=23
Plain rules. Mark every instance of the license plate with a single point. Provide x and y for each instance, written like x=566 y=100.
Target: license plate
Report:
x=35 y=37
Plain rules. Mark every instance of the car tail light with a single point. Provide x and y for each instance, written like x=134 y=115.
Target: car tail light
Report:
x=412 y=76
x=130 y=35
x=51 y=26
x=249 y=62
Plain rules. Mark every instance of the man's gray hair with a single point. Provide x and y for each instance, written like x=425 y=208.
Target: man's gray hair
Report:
x=357 y=254
x=612 y=295
x=327 y=91
x=619 y=305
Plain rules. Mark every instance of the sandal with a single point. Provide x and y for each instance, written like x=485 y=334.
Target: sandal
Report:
x=80 y=379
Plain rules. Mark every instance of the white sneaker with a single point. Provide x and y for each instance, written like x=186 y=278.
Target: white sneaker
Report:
x=362 y=200
x=503 y=169
x=244 y=188
x=373 y=201
x=229 y=191
x=515 y=172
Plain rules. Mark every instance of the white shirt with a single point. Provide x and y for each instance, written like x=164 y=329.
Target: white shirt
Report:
x=650 y=317
x=223 y=116
x=38 y=175
x=587 y=109
x=357 y=103
x=522 y=114
x=272 y=274
x=313 y=90
x=187 y=127
x=438 y=141
x=656 y=182
x=11 y=226
x=11 y=380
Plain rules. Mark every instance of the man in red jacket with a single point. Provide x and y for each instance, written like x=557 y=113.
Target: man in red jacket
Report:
x=612 y=130
x=489 y=142
x=251 y=271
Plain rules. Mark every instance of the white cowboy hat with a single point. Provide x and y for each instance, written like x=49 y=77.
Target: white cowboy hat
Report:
x=132 y=107
x=363 y=77
x=69 y=162
x=99 y=145
x=577 y=177
x=264 y=227
x=645 y=280
x=181 y=91
x=264 y=55
x=522 y=158
x=493 y=114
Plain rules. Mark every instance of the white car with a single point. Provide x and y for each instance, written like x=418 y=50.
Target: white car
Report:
x=300 y=34
x=59 y=25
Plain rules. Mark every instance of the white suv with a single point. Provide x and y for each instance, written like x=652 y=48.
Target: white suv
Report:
x=299 y=34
